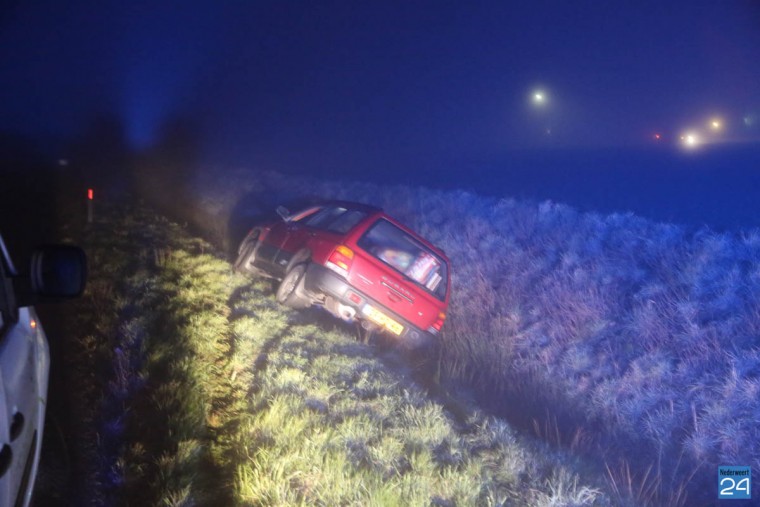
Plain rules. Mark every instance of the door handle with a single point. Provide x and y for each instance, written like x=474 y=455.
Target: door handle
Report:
x=393 y=297
x=17 y=424
x=6 y=457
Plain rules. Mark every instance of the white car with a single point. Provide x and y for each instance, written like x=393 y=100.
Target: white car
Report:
x=55 y=272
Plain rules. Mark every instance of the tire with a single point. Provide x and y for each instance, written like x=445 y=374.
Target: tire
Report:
x=247 y=254
x=366 y=336
x=251 y=237
x=287 y=293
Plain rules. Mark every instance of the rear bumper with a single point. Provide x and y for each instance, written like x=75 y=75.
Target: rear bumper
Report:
x=321 y=281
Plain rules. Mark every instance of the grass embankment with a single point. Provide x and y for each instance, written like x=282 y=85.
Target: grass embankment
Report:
x=634 y=342
x=192 y=386
x=140 y=400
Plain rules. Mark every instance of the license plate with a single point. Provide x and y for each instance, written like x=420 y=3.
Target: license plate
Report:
x=381 y=319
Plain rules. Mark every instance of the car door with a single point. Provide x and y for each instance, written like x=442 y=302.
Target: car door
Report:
x=325 y=227
x=23 y=383
x=275 y=250
x=286 y=238
x=23 y=388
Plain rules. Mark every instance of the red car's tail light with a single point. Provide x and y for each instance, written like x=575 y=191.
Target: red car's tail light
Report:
x=340 y=260
x=354 y=298
x=438 y=324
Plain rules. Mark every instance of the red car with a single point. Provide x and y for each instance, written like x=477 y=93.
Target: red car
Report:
x=359 y=264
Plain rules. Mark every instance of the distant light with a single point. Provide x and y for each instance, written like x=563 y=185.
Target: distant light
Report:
x=63 y=162
x=539 y=98
x=657 y=137
x=716 y=124
x=690 y=140
x=33 y=324
x=90 y=194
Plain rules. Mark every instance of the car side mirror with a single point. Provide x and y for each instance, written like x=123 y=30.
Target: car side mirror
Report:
x=283 y=212
x=58 y=271
x=55 y=272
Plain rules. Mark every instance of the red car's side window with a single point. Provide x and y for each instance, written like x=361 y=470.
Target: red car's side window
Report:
x=339 y=220
x=346 y=221
x=323 y=218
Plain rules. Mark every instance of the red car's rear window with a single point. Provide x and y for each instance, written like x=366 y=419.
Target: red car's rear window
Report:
x=399 y=250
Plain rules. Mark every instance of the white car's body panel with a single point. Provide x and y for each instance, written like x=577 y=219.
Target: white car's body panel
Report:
x=55 y=273
x=24 y=367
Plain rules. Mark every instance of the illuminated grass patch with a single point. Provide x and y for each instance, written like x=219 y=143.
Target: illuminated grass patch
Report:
x=217 y=395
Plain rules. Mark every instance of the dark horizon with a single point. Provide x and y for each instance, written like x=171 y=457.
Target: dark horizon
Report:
x=351 y=82
x=719 y=189
x=622 y=107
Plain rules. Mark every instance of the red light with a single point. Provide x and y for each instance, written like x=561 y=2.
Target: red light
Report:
x=354 y=298
x=340 y=260
x=89 y=194
x=438 y=324
x=657 y=136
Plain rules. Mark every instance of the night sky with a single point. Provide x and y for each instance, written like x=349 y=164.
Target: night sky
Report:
x=405 y=87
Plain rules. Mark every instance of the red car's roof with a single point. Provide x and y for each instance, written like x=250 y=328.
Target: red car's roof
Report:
x=353 y=205
x=369 y=209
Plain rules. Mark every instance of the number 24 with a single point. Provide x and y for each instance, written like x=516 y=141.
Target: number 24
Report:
x=734 y=486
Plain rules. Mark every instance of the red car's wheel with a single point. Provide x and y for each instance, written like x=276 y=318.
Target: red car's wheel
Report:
x=247 y=252
x=287 y=293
